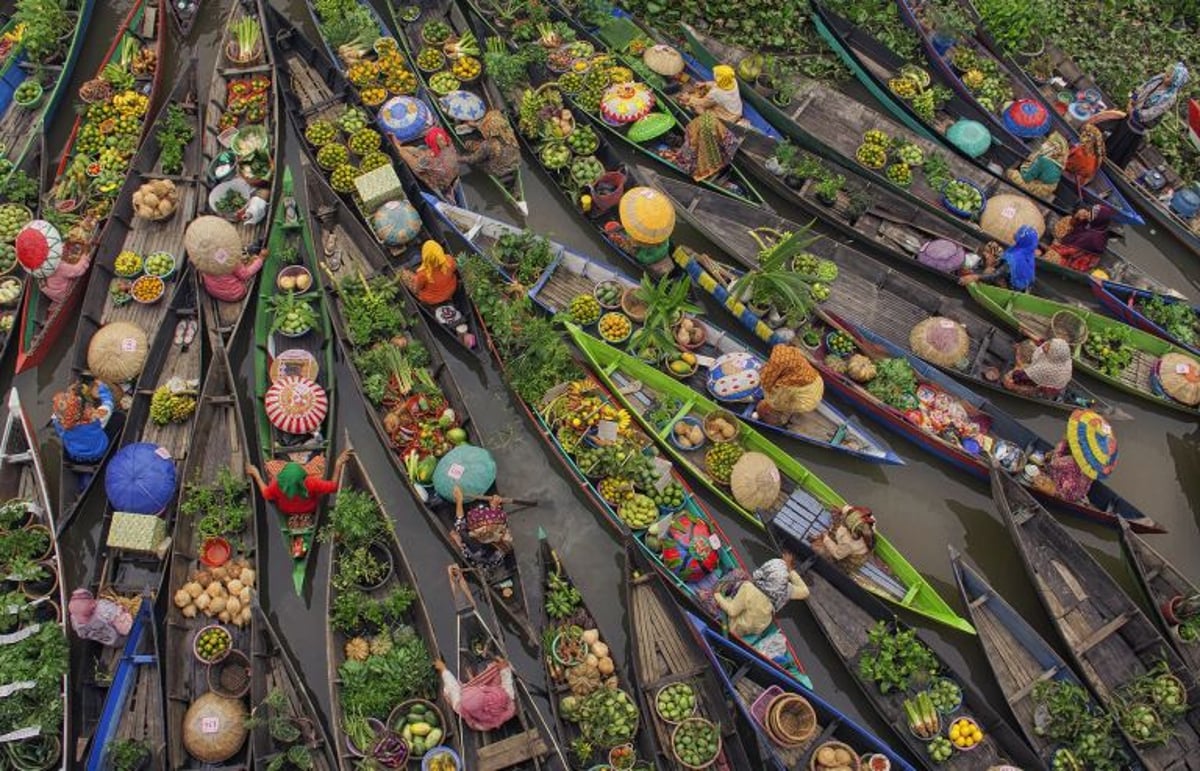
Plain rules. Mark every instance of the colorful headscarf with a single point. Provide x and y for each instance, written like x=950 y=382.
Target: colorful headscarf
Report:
x=494 y=125
x=1092 y=236
x=724 y=77
x=860 y=522
x=433 y=259
x=771 y=578
x=1151 y=100
x=1022 y=258
x=291 y=481
x=710 y=145
x=435 y=139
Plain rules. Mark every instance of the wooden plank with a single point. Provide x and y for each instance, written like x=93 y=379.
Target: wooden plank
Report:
x=511 y=751
x=1102 y=634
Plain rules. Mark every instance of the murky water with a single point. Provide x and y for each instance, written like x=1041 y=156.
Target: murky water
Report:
x=923 y=507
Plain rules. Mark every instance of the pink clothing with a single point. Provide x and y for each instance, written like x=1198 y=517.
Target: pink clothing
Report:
x=232 y=287
x=487 y=702
x=58 y=285
x=1069 y=482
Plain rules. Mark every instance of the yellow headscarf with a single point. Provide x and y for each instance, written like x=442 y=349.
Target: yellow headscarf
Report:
x=433 y=259
x=724 y=76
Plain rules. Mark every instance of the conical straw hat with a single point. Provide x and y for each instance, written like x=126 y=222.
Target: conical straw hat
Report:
x=117 y=352
x=213 y=245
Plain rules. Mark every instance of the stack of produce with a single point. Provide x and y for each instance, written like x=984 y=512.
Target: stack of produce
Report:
x=346 y=147
x=224 y=593
x=566 y=147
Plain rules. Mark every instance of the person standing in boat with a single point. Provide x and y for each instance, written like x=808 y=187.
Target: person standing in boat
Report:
x=436 y=280
x=1017 y=266
x=720 y=96
x=1087 y=453
x=1148 y=104
x=1081 y=240
x=1046 y=374
x=482 y=532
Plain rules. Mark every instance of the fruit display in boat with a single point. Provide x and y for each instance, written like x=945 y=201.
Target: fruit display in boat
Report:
x=900 y=173
x=820 y=292
x=466 y=68
x=963 y=196
x=159 y=264
x=436 y=32
x=128 y=264
x=365 y=140
x=584 y=310
x=612 y=489
x=871 y=155
x=213 y=643
x=373 y=97
x=681 y=363
x=638 y=511
x=696 y=743
x=352 y=120
x=615 y=327
x=13 y=217
x=342 y=179
x=430 y=59
x=570 y=82
x=555 y=155
x=721 y=459
x=373 y=160
x=147 y=289
x=940 y=749
x=669 y=498
x=876 y=137
x=586 y=170
x=676 y=702
x=443 y=82
x=911 y=154
x=332 y=155
x=687 y=435
x=965 y=733
x=583 y=140
x=608 y=294
x=841 y=344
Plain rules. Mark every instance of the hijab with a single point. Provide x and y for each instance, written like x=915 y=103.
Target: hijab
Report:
x=436 y=139
x=433 y=259
x=1021 y=258
x=291 y=481
x=1092 y=236
x=724 y=77
x=1157 y=95
x=771 y=578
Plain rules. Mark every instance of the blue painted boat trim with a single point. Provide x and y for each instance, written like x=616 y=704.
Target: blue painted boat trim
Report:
x=118 y=693
x=1115 y=300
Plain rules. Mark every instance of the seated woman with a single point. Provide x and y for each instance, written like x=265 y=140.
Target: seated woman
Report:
x=1017 y=267
x=487 y=701
x=297 y=493
x=1041 y=173
x=719 y=96
x=791 y=386
x=79 y=418
x=482 y=532
x=757 y=601
x=1087 y=156
x=436 y=280
x=436 y=164
x=849 y=540
x=1086 y=454
x=232 y=287
x=498 y=154
x=1046 y=374
x=708 y=147
x=1081 y=240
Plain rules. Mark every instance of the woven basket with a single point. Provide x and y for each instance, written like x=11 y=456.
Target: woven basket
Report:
x=791 y=720
x=230 y=677
x=1069 y=326
x=812 y=760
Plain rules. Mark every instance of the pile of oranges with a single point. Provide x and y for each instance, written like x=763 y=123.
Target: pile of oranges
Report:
x=965 y=733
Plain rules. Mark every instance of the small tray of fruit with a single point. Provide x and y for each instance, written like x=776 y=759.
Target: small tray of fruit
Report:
x=212 y=644
x=615 y=327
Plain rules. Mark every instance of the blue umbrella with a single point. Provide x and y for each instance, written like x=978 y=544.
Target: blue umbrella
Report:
x=463 y=105
x=471 y=468
x=140 y=478
x=405 y=117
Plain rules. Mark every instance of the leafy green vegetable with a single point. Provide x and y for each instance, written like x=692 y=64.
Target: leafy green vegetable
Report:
x=895 y=382
x=221 y=507
x=174 y=133
x=373 y=687
x=1177 y=318
x=893 y=658
x=372 y=309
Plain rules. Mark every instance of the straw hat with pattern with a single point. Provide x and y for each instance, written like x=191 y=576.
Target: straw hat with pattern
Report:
x=1006 y=213
x=647 y=215
x=117 y=352
x=1092 y=443
x=213 y=245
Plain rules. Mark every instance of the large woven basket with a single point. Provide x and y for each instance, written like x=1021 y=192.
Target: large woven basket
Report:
x=1069 y=326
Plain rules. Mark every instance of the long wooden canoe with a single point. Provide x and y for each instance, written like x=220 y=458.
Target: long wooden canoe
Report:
x=293 y=235
x=1032 y=316
x=1162 y=582
x=664 y=653
x=1018 y=656
x=1109 y=637
x=100 y=303
x=752 y=687
x=805 y=504
x=43 y=320
x=1127 y=304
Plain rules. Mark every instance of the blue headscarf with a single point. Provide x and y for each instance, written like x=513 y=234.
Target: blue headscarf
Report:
x=1021 y=258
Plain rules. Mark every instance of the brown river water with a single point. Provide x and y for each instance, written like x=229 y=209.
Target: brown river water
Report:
x=924 y=506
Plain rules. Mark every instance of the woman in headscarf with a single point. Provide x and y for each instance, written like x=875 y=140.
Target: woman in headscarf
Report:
x=232 y=287
x=436 y=280
x=708 y=147
x=436 y=164
x=790 y=385
x=754 y=606
x=483 y=531
x=850 y=538
x=498 y=154
x=1072 y=478
x=487 y=701
x=1087 y=156
x=1047 y=372
x=1041 y=173
x=1016 y=269
x=719 y=96
x=295 y=492
x=1148 y=104
x=79 y=418
x=1081 y=240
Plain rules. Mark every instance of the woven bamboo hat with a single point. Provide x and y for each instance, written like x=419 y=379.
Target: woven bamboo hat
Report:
x=213 y=245
x=117 y=351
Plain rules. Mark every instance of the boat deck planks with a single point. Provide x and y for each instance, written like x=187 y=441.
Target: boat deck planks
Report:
x=1161 y=582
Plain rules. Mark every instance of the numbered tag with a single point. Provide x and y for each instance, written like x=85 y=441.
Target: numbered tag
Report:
x=664 y=473
x=455 y=471
x=163 y=453
x=714 y=542
x=129 y=345
x=1181 y=369
x=210 y=725
x=1008 y=212
x=606 y=431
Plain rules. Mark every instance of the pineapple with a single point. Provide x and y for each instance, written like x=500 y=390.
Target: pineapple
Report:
x=357 y=649
x=381 y=644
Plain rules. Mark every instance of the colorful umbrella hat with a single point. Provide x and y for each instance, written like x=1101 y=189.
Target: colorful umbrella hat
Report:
x=1092 y=442
x=39 y=248
x=1026 y=118
x=213 y=245
x=626 y=102
x=469 y=467
x=296 y=405
x=405 y=117
x=463 y=105
x=140 y=478
x=970 y=136
x=647 y=215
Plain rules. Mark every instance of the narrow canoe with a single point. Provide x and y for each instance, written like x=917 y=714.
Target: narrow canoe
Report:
x=348 y=625
x=663 y=653
x=274 y=672
x=1109 y=637
x=1032 y=316
x=1127 y=304
x=526 y=742
x=253 y=79
x=43 y=320
x=1099 y=190
x=867 y=292
x=805 y=503
x=847 y=615
x=571 y=274
x=1162 y=582
x=321 y=93
x=184 y=14
x=447 y=12
x=10 y=310
x=293 y=235
x=100 y=304
x=359 y=260
x=217 y=457
x=1018 y=656
x=752 y=687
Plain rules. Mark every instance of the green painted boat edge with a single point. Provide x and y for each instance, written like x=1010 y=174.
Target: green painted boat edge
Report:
x=262 y=326
x=996 y=299
x=926 y=602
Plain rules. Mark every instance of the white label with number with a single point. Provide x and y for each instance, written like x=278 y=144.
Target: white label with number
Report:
x=210 y=725
x=455 y=471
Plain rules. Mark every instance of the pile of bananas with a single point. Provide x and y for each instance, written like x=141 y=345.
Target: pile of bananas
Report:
x=169 y=406
x=131 y=103
x=532 y=105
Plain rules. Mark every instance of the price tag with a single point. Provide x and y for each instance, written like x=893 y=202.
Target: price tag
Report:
x=1008 y=212
x=129 y=345
x=210 y=725
x=455 y=471
x=664 y=473
x=714 y=542
x=163 y=453
x=221 y=256
x=1181 y=369
x=606 y=431
x=946 y=324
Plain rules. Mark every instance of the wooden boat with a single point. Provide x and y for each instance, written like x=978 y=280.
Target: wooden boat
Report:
x=43 y=320
x=184 y=14
x=417 y=636
x=215 y=466
x=320 y=92
x=22 y=478
x=554 y=577
x=664 y=653
x=526 y=741
x=22 y=128
x=359 y=263
x=1108 y=636
x=10 y=312
x=1128 y=305
x=448 y=12
x=229 y=79
x=805 y=504
x=456 y=194
x=281 y=355
x=847 y=615
x=1162 y=582
x=752 y=687
x=866 y=293
x=571 y=274
x=101 y=305
x=1032 y=316
x=133 y=705
x=275 y=672
x=1018 y=656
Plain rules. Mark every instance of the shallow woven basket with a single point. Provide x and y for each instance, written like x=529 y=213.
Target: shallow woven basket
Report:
x=854 y=759
x=230 y=677
x=1069 y=326
x=791 y=720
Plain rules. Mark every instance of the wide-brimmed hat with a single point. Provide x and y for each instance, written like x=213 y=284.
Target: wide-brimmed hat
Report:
x=940 y=341
x=1092 y=443
x=213 y=245
x=117 y=351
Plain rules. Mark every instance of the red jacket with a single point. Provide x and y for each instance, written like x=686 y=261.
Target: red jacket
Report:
x=317 y=489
